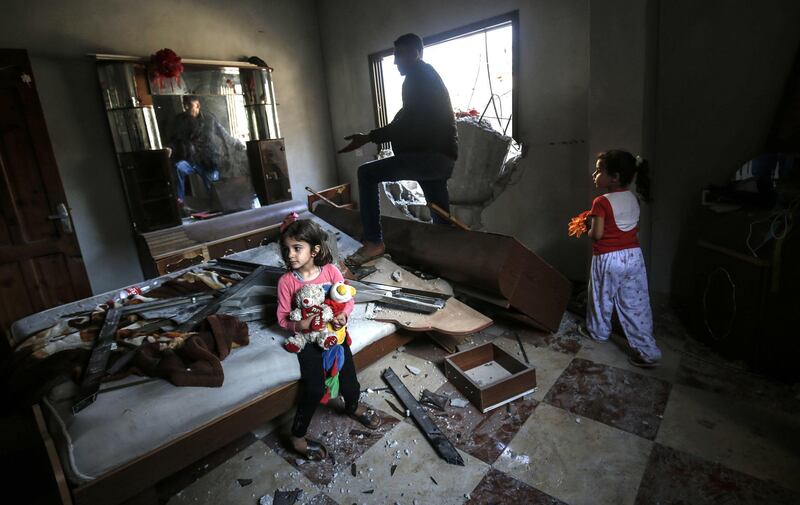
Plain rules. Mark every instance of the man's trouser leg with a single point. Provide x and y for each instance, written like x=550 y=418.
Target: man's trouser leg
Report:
x=436 y=192
x=182 y=170
x=425 y=168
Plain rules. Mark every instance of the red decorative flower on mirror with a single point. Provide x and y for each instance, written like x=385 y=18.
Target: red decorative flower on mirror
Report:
x=165 y=64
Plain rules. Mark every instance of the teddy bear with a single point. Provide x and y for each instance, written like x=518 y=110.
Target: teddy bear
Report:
x=338 y=296
x=309 y=301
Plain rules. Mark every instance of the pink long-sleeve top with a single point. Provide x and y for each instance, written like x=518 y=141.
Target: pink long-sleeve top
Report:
x=290 y=282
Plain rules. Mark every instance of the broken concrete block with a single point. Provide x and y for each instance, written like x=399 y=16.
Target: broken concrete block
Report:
x=397 y=276
x=482 y=151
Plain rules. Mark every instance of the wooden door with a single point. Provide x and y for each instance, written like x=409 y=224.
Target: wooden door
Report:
x=40 y=262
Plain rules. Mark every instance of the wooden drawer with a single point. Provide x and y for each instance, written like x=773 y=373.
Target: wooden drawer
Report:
x=182 y=260
x=227 y=247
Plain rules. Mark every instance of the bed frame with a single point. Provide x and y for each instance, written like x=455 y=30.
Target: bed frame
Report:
x=134 y=483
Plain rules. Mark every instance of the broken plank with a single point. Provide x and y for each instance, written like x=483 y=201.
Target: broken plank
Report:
x=438 y=440
x=214 y=305
x=383 y=275
x=496 y=264
x=455 y=319
x=96 y=368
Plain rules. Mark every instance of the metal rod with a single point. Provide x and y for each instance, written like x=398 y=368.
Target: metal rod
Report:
x=324 y=199
x=522 y=348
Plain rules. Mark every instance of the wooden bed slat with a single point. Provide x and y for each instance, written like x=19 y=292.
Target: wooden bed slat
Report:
x=52 y=455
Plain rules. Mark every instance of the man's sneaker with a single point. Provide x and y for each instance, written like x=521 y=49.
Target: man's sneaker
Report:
x=584 y=332
x=641 y=363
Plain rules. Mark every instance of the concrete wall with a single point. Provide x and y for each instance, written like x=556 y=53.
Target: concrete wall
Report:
x=553 y=94
x=722 y=67
x=621 y=84
x=57 y=36
x=692 y=86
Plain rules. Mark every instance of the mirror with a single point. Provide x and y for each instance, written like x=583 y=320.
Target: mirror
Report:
x=190 y=147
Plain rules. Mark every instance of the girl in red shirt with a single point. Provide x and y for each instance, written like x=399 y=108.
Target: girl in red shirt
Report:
x=618 y=276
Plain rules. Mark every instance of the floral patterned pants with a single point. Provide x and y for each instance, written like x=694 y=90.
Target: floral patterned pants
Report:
x=619 y=281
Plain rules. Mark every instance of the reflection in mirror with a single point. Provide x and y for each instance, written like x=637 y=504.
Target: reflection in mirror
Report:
x=204 y=123
x=200 y=124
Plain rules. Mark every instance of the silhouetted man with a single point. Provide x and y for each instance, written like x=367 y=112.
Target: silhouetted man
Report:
x=424 y=140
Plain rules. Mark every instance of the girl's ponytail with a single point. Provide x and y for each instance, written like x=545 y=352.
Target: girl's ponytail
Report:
x=643 y=178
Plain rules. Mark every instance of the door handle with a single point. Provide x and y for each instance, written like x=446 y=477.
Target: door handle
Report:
x=62 y=214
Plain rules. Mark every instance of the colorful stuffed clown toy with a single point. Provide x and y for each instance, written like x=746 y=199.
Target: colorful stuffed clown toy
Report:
x=333 y=358
x=338 y=296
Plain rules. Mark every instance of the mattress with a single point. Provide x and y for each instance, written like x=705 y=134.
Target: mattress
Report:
x=125 y=423
x=132 y=417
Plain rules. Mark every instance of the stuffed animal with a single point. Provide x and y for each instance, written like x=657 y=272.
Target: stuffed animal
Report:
x=338 y=296
x=310 y=301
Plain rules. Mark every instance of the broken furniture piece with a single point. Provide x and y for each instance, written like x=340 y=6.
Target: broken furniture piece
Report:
x=493 y=267
x=167 y=250
x=488 y=376
x=262 y=274
x=410 y=300
x=433 y=400
x=386 y=271
x=455 y=319
x=337 y=196
x=98 y=361
x=440 y=443
x=96 y=368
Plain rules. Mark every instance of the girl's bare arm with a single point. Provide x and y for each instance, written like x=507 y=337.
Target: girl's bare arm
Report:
x=596 y=230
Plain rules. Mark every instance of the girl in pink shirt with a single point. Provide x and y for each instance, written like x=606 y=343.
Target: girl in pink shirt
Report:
x=306 y=254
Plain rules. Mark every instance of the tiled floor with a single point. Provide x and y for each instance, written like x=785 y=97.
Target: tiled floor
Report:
x=696 y=430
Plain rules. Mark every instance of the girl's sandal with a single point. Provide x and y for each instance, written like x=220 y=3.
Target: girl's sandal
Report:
x=315 y=451
x=368 y=418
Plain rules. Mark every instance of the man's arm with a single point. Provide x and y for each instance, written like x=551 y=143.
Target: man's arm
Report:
x=222 y=132
x=416 y=121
